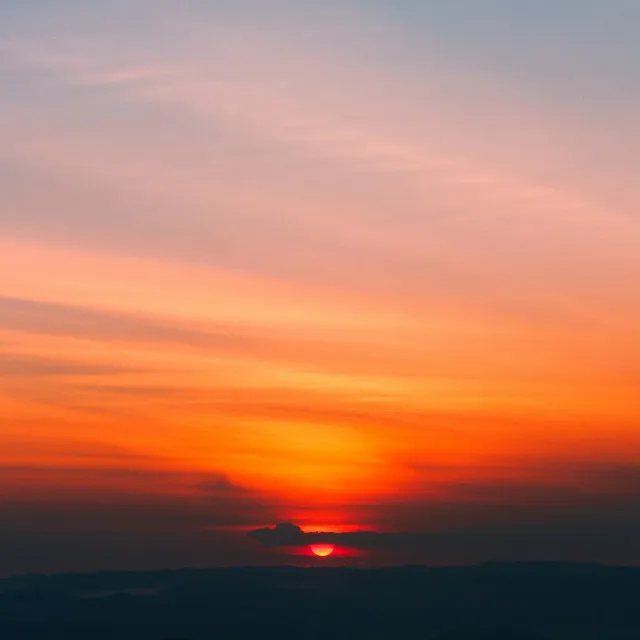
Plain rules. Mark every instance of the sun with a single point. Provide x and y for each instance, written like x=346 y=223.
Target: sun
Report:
x=322 y=550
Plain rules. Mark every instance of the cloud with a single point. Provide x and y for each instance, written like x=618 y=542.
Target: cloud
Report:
x=291 y=535
x=601 y=544
x=13 y=365
x=102 y=494
x=248 y=233
x=33 y=316
x=592 y=512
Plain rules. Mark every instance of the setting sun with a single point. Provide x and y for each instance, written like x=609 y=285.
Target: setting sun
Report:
x=322 y=550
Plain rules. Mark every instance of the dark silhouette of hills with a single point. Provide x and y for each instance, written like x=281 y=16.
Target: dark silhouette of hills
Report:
x=488 y=635
x=488 y=602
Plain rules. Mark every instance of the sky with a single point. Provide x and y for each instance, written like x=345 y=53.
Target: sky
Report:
x=356 y=265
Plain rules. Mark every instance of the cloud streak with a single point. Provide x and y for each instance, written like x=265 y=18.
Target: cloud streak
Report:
x=14 y=365
x=85 y=322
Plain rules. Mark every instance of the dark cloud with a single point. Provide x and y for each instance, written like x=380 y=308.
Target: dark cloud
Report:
x=113 y=550
x=593 y=516
x=99 y=498
x=136 y=519
x=47 y=318
x=469 y=546
x=504 y=495
x=290 y=535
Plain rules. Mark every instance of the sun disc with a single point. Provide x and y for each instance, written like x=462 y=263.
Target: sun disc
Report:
x=322 y=550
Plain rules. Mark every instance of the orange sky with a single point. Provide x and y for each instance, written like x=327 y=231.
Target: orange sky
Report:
x=309 y=395
x=309 y=282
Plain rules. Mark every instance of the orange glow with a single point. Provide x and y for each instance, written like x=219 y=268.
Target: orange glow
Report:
x=322 y=550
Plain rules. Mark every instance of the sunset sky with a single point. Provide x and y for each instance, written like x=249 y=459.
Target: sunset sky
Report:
x=350 y=264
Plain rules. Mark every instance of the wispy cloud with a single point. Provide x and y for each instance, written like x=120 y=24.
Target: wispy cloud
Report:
x=85 y=322
x=14 y=365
